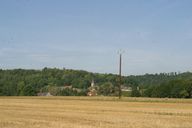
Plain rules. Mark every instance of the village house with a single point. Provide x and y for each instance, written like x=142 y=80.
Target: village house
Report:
x=44 y=94
x=126 y=89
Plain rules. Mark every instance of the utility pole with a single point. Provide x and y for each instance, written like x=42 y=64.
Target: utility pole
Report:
x=120 y=79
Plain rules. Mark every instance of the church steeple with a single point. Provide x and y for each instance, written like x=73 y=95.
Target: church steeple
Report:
x=92 y=89
x=92 y=83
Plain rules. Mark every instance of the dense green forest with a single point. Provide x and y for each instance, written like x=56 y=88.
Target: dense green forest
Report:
x=67 y=82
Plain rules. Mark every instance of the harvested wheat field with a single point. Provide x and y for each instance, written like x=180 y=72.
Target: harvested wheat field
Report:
x=94 y=112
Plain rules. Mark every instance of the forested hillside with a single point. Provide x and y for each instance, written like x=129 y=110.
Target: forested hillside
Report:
x=20 y=82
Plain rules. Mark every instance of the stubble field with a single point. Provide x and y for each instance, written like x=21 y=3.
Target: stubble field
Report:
x=94 y=112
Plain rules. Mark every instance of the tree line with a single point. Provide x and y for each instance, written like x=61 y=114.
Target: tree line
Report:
x=68 y=82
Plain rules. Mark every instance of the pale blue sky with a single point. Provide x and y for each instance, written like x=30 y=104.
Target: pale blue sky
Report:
x=156 y=35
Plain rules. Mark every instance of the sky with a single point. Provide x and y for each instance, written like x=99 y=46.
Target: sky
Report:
x=154 y=35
